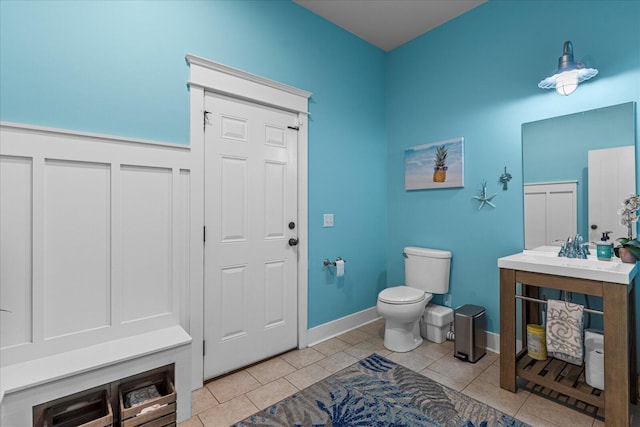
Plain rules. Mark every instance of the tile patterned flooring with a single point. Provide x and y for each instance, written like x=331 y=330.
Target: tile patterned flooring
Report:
x=231 y=398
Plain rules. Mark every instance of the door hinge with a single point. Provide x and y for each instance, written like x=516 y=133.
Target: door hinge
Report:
x=203 y=347
x=204 y=234
x=205 y=120
x=294 y=127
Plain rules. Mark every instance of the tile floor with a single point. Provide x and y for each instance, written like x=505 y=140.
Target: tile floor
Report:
x=231 y=398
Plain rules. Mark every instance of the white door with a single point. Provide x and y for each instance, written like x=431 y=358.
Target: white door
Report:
x=612 y=178
x=250 y=306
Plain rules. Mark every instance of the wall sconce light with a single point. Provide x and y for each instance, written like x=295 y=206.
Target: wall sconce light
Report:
x=569 y=73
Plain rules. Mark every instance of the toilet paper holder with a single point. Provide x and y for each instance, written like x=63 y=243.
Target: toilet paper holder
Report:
x=326 y=262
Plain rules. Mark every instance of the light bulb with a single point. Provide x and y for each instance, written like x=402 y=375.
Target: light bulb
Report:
x=567 y=82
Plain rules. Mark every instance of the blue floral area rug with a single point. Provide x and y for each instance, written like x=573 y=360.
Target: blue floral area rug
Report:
x=379 y=392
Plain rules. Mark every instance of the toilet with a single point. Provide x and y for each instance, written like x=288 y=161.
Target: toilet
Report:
x=426 y=272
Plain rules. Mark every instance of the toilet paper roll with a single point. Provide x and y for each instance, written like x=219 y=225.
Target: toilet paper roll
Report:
x=339 y=268
x=594 y=369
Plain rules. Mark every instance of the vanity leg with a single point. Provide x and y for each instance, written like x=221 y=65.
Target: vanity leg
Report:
x=633 y=357
x=616 y=354
x=508 y=330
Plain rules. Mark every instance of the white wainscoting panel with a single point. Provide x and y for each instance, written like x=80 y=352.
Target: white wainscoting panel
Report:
x=96 y=239
x=146 y=242
x=77 y=228
x=15 y=250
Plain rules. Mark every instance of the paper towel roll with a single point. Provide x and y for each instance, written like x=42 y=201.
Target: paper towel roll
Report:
x=339 y=268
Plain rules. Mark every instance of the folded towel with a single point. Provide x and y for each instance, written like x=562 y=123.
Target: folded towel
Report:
x=564 y=331
x=137 y=397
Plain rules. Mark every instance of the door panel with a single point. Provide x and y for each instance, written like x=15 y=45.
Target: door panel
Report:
x=234 y=205
x=612 y=178
x=250 y=306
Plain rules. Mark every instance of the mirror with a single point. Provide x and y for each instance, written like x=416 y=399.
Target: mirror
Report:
x=556 y=173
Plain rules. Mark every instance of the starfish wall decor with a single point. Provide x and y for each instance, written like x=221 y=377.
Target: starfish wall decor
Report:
x=483 y=198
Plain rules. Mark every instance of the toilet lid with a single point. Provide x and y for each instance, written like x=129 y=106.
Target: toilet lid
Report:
x=401 y=295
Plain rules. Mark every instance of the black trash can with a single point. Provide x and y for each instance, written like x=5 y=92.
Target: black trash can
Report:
x=471 y=338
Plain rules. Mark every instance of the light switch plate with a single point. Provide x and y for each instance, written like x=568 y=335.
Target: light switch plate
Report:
x=328 y=220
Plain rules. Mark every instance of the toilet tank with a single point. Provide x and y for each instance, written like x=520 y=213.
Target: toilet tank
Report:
x=427 y=269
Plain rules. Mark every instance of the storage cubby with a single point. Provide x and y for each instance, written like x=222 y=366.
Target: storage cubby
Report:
x=87 y=409
x=106 y=405
x=159 y=410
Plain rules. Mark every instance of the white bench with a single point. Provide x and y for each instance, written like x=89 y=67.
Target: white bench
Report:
x=25 y=385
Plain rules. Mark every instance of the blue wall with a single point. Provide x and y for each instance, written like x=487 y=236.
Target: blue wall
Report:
x=476 y=77
x=118 y=68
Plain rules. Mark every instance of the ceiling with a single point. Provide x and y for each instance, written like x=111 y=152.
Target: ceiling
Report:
x=389 y=23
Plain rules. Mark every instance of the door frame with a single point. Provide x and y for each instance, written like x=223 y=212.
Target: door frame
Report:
x=209 y=76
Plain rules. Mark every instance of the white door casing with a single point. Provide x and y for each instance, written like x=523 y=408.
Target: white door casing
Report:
x=250 y=304
x=207 y=76
x=612 y=178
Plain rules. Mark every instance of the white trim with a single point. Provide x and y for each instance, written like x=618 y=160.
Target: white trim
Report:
x=340 y=326
x=206 y=75
x=96 y=137
x=196 y=292
x=353 y=321
x=493 y=342
x=303 y=231
x=234 y=72
x=550 y=183
x=229 y=81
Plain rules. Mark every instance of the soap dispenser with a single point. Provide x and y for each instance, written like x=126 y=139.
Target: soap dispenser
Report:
x=604 y=247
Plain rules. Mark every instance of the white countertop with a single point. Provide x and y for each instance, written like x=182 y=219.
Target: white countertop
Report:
x=545 y=259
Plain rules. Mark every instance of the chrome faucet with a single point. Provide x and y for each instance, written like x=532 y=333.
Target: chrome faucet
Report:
x=574 y=248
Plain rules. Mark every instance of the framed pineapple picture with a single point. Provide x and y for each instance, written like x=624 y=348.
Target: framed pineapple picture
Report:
x=435 y=165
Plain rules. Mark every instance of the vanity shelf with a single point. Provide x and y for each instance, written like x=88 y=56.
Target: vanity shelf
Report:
x=558 y=377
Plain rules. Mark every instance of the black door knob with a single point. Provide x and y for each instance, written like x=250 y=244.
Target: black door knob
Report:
x=594 y=227
x=293 y=242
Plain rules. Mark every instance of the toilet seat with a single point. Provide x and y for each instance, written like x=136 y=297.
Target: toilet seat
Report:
x=401 y=295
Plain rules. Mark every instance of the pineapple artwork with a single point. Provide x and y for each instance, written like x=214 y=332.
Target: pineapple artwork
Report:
x=440 y=168
x=435 y=165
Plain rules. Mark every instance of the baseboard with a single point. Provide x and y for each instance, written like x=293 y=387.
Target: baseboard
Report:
x=493 y=342
x=339 y=326
x=344 y=324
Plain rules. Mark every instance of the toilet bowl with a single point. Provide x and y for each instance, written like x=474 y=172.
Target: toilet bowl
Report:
x=402 y=308
x=426 y=273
